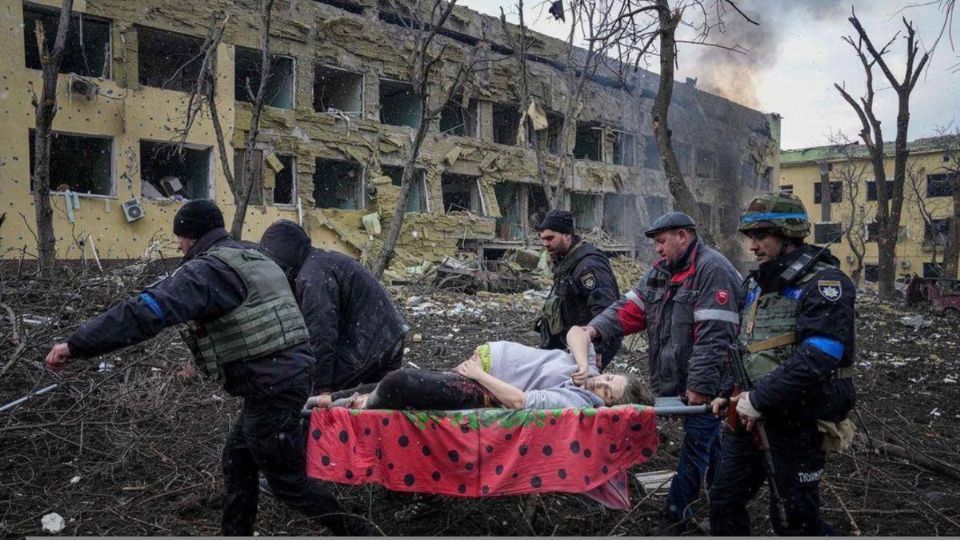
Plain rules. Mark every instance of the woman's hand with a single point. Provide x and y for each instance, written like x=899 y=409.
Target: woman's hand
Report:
x=580 y=376
x=470 y=368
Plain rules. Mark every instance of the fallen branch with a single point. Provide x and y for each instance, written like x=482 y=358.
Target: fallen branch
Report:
x=914 y=456
x=854 y=528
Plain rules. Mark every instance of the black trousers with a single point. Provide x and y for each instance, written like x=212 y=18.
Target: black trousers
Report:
x=798 y=463
x=423 y=389
x=269 y=438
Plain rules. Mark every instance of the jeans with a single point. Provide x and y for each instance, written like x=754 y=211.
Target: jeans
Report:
x=698 y=459
x=798 y=463
x=269 y=438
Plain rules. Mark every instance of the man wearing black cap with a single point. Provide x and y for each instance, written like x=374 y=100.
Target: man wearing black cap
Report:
x=248 y=331
x=583 y=285
x=689 y=303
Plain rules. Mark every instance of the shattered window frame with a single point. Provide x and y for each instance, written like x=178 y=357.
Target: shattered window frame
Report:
x=624 y=148
x=146 y=77
x=210 y=179
x=58 y=174
x=505 y=131
x=827 y=232
x=74 y=46
x=359 y=190
x=582 y=149
x=582 y=203
x=476 y=193
x=942 y=227
x=288 y=84
x=261 y=195
x=322 y=67
x=395 y=172
x=511 y=201
x=836 y=192
x=871 y=273
x=940 y=184
x=384 y=117
x=468 y=118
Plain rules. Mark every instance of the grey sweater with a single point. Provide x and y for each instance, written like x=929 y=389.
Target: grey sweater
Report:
x=543 y=375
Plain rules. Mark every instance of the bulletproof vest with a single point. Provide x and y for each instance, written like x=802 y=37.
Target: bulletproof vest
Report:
x=268 y=321
x=553 y=310
x=769 y=323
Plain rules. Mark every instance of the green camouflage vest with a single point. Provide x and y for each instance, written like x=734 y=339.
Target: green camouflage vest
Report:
x=268 y=321
x=768 y=325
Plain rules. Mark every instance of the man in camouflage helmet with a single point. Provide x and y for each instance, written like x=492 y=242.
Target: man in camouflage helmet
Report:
x=689 y=303
x=797 y=329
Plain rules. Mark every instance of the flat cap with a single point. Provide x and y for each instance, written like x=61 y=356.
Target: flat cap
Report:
x=670 y=221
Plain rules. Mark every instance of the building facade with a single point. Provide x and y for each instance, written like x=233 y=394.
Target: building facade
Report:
x=836 y=183
x=337 y=129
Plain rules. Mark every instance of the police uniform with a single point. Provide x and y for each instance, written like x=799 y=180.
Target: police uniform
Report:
x=689 y=310
x=583 y=286
x=797 y=329
x=249 y=333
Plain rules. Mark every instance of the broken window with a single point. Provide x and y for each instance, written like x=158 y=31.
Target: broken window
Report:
x=827 y=233
x=651 y=153
x=337 y=89
x=79 y=163
x=706 y=211
x=589 y=142
x=345 y=5
x=872 y=189
x=584 y=209
x=871 y=273
x=682 y=151
x=87 y=51
x=338 y=184
x=656 y=207
x=455 y=119
x=930 y=270
x=935 y=232
x=624 y=149
x=506 y=121
x=168 y=60
x=399 y=104
x=165 y=172
x=273 y=177
x=246 y=78
x=537 y=206
x=509 y=195
x=620 y=215
x=461 y=193
x=940 y=185
x=706 y=161
x=549 y=139
x=873 y=231
x=417 y=196
x=836 y=192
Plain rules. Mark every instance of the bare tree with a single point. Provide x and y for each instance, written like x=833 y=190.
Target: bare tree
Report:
x=950 y=143
x=889 y=203
x=933 y=235
x=853 y=174
x=45 y=108
x=426 y=70
x=204 y=93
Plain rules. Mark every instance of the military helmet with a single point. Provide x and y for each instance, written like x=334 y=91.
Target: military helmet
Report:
x=782 y=213
x=670 y=221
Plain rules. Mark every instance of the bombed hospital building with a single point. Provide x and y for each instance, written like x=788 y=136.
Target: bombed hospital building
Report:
x=338 y=124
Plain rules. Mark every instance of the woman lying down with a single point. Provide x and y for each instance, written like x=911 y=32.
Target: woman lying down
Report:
x=500 y=374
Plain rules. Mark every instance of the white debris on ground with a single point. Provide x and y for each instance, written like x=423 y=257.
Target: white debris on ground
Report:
x=52 y=523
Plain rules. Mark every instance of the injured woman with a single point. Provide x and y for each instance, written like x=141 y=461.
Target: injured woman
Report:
x=500 y=374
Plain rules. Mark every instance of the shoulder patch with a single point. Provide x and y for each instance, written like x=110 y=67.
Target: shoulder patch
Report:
x=589 y=280
x=722 y=296
x=830 y=289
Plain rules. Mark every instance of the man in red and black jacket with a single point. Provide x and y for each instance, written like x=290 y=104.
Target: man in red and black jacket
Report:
x=689 y=304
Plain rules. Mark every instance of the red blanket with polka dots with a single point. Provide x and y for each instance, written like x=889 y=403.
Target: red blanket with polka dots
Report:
x=484 y=452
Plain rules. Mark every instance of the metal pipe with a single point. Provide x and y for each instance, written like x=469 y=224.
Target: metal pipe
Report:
x=39 y=392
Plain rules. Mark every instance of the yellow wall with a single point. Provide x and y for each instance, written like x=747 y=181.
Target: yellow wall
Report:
x=127 y=115
x=911 y=252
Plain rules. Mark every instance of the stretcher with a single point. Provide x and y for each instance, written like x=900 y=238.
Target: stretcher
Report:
x=488 y=452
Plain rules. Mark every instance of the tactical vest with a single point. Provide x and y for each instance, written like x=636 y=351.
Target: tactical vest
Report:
x=268 y=321
x=552 y=311
x=769 y=323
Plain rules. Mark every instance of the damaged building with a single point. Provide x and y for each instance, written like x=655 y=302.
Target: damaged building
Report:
x=337 y=128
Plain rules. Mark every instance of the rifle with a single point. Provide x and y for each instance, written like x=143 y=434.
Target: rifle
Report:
x=760 y=440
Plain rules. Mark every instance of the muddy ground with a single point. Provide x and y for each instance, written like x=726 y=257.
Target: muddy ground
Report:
x=122 y=447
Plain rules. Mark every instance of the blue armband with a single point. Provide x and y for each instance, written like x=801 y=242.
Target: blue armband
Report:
x=827 y=346
x=151 y=303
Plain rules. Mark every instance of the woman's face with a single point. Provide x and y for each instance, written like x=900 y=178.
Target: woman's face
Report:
x=609 y=387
